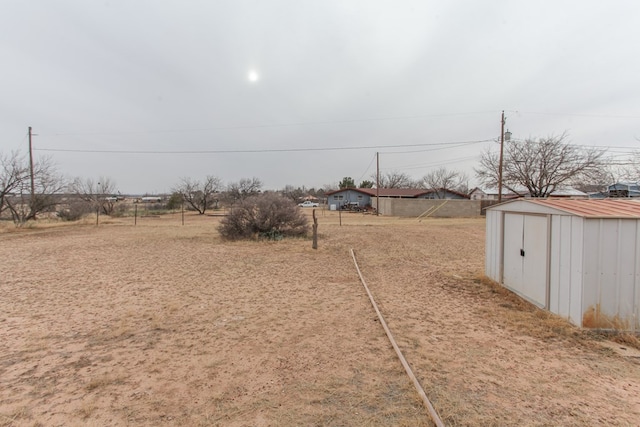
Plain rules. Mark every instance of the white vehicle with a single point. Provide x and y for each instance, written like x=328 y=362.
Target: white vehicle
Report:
x=308 y=204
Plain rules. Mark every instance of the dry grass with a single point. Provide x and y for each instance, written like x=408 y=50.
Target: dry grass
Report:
x=522 y=315
x=627 y=339
x=165 y=324
x=105 y=380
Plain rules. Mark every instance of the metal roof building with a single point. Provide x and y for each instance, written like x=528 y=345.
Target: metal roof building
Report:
x=579 y=259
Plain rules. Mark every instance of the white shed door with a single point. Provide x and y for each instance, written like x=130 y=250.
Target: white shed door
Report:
x=525 y=256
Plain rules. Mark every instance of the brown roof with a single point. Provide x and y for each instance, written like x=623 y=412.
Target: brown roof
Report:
x=386 y=192
x=600 y=208
x=393 y=192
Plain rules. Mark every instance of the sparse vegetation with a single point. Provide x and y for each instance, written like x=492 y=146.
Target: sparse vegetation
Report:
x=268 y=216
x=163 y=323
x=74 y=211
x=199 y=195
x=25 y=193
x=95 y=194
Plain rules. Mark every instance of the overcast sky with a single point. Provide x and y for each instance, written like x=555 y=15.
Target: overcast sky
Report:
x=229 y=88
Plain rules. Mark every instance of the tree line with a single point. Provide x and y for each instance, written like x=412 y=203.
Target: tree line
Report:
x=535 y=166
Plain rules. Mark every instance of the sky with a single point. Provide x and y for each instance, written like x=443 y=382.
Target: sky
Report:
x=306 y=92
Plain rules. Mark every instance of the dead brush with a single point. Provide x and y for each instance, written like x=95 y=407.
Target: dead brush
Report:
x=104 y=380
x=522 y=314
x=624 y=338
x=18 y=414
x=527 y=317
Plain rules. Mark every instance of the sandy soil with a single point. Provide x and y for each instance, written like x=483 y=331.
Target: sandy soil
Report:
x=166 y=324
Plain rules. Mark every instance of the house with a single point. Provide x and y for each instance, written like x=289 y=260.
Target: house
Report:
x=492 y=193
x=576 y=258
x=624 y=189
x=568 y=193
x=362 y=197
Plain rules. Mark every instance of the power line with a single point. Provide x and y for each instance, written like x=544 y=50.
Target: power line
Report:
x=373 y=159
x=462 y=144
x=602 y=116
x=431 y=164
x=604 y=147
x=275 y=125
x=266 y=150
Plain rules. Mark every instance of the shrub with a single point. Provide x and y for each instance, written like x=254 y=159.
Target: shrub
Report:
x=120 y=210
x=75 y=210
x=175 y=201
x=268 y=216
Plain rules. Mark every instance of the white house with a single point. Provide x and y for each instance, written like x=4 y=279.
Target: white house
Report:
x=579 y=259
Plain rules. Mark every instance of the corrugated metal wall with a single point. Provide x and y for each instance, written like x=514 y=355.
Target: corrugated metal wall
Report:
x=565 y=269
x=493 y=246
x=611 y=283
x=594 y=267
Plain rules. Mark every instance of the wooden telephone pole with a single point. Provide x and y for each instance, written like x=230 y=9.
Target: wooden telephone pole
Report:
x=501 y=154
x=32 y=200
x=377 y=183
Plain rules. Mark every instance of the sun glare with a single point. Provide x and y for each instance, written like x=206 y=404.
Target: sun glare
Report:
x=253 y=76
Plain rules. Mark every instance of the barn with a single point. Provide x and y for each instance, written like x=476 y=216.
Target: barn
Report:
x=579 y=259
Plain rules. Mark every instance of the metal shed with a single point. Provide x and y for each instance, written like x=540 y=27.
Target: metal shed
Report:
x=579 y=259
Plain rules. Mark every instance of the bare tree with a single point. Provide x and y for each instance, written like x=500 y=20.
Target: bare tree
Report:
x=12 y=172
x=396 y=179
x=606 y=176
x=47 y=183
x=540 y=165
x=96 y=194
x=441 y=180
x=244 y=188
x=198 y=195
x=631 y=170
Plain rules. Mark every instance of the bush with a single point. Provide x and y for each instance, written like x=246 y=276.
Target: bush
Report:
x=75 y=210
x=175 y=201
x=120 y=210
x=268 y=216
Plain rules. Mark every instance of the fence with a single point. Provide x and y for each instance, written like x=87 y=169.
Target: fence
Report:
x=436 y=208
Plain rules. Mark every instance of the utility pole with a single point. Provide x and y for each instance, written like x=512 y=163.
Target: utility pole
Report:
x=377 y=183
x=32 y=200
x=501 y=154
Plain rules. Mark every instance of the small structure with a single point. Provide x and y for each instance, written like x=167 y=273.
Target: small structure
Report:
x=568 y=193
x=492 y=193
x=624 y=189
x=579 y=259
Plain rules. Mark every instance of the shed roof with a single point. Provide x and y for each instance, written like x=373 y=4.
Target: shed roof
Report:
x=593 y=208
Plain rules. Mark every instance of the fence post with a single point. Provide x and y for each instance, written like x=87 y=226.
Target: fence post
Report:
x=315 y=231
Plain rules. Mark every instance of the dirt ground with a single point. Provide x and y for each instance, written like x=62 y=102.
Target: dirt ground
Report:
x=164 y=324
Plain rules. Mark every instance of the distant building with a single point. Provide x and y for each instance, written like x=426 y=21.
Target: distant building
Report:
x=624 y=189
x=361 y=197
x=492 y=194
x=151 y=199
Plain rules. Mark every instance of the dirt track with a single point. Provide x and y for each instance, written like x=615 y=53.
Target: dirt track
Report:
x=159 y=323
